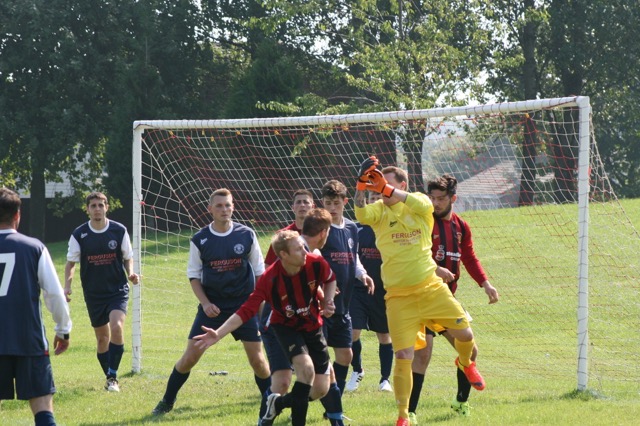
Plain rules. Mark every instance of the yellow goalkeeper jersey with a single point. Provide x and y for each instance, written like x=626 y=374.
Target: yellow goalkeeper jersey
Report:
x=403 y=236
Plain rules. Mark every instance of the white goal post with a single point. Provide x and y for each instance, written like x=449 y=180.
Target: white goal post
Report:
x=546 y=223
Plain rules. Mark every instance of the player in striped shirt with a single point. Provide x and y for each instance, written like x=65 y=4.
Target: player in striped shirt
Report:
x=26 y=271
x=291 y=285
x=416 y=296
x=452 y=245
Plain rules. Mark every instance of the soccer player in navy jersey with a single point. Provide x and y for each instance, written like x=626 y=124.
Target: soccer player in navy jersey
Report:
x=452 y=244
x=26 y=271
x=368 y=311
x=103 y=249
x=416 y=296
x=341 y=251
x=291 y=285
x=224 y=263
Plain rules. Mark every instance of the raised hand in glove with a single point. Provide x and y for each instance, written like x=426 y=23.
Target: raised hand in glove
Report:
x=367 y=165
x=377 y=183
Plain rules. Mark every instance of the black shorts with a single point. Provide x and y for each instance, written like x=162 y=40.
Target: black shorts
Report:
x=99 y=312
x=32 y=374
x=368 y=312
x=311 y=343
x=247 y=332
x=337 y=330
x=278 y=359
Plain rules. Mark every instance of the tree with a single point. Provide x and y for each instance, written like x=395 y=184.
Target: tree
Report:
x=52 y=103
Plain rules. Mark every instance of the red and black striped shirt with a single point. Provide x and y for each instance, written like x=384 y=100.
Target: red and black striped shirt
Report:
x=293 y=299
x=452 y=244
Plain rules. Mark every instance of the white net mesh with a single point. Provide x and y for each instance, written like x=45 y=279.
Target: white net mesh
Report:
x=517 y=169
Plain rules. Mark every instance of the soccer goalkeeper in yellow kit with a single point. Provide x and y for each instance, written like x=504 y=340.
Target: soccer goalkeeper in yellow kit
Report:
x=416 y=296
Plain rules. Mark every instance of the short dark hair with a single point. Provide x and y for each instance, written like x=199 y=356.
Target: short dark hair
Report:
x=9 y=204
x=304 y=192
x=445 y=183
x=95 y=195
x=334 y=189
x=316 y=221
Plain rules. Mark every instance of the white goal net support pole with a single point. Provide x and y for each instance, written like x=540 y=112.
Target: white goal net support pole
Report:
x=546 y=223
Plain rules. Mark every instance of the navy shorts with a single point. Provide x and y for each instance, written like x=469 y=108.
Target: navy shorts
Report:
x=32 y=374
x=337 y=330
x=311 y=343
x=368 y=311
x=99 y=312
x=278 y=359
x=247 y=332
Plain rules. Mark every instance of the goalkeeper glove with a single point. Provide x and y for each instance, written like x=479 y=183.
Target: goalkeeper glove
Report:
x=377 y=183
x=367 y=165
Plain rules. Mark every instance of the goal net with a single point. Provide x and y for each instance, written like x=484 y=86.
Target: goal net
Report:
x=548 y=228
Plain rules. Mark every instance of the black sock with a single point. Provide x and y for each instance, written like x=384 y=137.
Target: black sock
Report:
x=385 y=352
x=341 y=375
x=418 y=380
x=44 y=418
x=356 y=362
x=464 y=387
x=103 y=359
x=176 y=380
x=332 y=402
x=115 y=356
x=298 y=400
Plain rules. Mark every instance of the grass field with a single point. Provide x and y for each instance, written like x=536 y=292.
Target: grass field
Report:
x=530 y=380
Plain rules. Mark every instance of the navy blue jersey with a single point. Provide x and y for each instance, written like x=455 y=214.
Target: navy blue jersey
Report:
x=340 y=251
x=370 y=258
x=26 y=270
x=101 y=257
x=226 y=264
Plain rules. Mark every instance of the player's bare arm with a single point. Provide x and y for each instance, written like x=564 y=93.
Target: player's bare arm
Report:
x=69 y=272
x=211 y=336
x=209 y=308
x=360 y=198
x=491 y=292
x=132 y=276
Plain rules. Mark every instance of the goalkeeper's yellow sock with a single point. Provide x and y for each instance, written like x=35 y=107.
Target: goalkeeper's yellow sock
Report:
x=402 y=383
x=465 y=349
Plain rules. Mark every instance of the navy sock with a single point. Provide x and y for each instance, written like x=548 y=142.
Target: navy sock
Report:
x=332 y=403
x=115 y=356
x=418 y=380
x=176 y=380
x=103 y=359
x=341 y=375
x=385 y=352
x=464 y=387
x=264 y=386
x=356 y=362
x=44 y=418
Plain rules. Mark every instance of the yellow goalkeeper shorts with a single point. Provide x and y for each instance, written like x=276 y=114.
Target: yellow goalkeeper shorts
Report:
x=430 y=304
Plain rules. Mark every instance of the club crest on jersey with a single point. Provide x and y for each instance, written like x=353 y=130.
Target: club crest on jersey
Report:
x=238 y=249
x=350 y=242
x=289 y=311
x=113 y=244
x=440 y=254
x=312 y=285
x=459 y=237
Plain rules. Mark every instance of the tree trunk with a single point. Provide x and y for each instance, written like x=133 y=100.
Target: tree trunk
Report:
x=529 y=140
x=38 y=202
